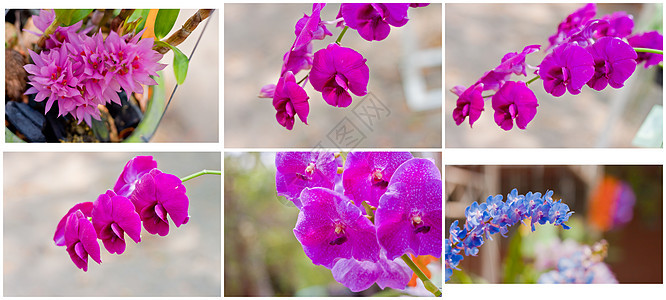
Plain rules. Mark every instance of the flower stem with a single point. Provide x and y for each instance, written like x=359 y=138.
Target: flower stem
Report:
x=532 y=80
x=526 y=83
x=202 y=172
x=431 y=287
x=648 y=50
x=341 y=35
x=304 y=78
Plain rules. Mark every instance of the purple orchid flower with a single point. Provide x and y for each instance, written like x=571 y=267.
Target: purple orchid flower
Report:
x=651 y=40
x=299 y=170
x=113 y=216
x=470 y=103
x=296 y=60
x=567 y=67
x=52 y=77
x=131 y=64
x=267 y=91
x=132 y=172
x=514 y=101
x=360 y=275
x=290 y=99
x=81 y=240
x=367 y=174
x=336 y=71
x=512 y=62
x=409 y=215
x=373 y=21
x=84 y=207
x=620 y=24
x=572 y=24
x=515 y=62
x=331 y=228
x=158 y=195
x=614 y=62
x=310 y=28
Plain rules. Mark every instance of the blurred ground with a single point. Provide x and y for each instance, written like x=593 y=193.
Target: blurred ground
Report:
x=478 y=36
x=193 y=115
x=253 y=58
x=39 y=188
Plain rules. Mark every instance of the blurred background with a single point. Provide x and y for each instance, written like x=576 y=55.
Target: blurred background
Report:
x=194 y=112
x=479 y=35
x=405 y=75
x=39 y=188
x=621 y=204
x=261 y=255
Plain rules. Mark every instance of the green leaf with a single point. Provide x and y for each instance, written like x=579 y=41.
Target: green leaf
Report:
x=100 y=130
x=164 y=22
x=180 y=64
x=63 y=16
x=79 y=14
x=68 y=17
x=151 y=119
x=141 y=15
x=10 y=137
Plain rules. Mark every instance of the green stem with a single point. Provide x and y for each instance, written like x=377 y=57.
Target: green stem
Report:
x=532 y=80
x=341 y=35
x=202 y=172
x=526 y=83
x=300 y=81
x=431 y=287
x=648 y=50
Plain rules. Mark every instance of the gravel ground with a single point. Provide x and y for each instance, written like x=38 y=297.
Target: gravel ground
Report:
x=39 y=188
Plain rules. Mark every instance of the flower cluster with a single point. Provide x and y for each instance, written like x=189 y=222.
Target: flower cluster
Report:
x=335 y=71
x=359 y=225
x=584 y=265
x=495 y=215
x=80 y=72
x=141 y=195
x=584 y=51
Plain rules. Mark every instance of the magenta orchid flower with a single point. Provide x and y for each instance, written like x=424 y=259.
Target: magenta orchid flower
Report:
x=567 y=67
x=157 y=196
x=367 y=174
x=84 y=207
x=290 y=99
x=614 y=62
x=373 y=21
x=360 y=275
x=331 y=228
x=470 y=103
x=311 y=27
x=409 y=215
x=651 y=40
x=299 y=170
x=514 y=101
x=132 y=172
x=81 y=240
x=112 y=217
x=336 y=71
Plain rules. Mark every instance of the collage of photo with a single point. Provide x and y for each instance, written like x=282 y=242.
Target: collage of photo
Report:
x=460 y=150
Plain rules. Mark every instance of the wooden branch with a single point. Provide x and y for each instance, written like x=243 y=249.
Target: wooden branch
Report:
x=179 y=36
